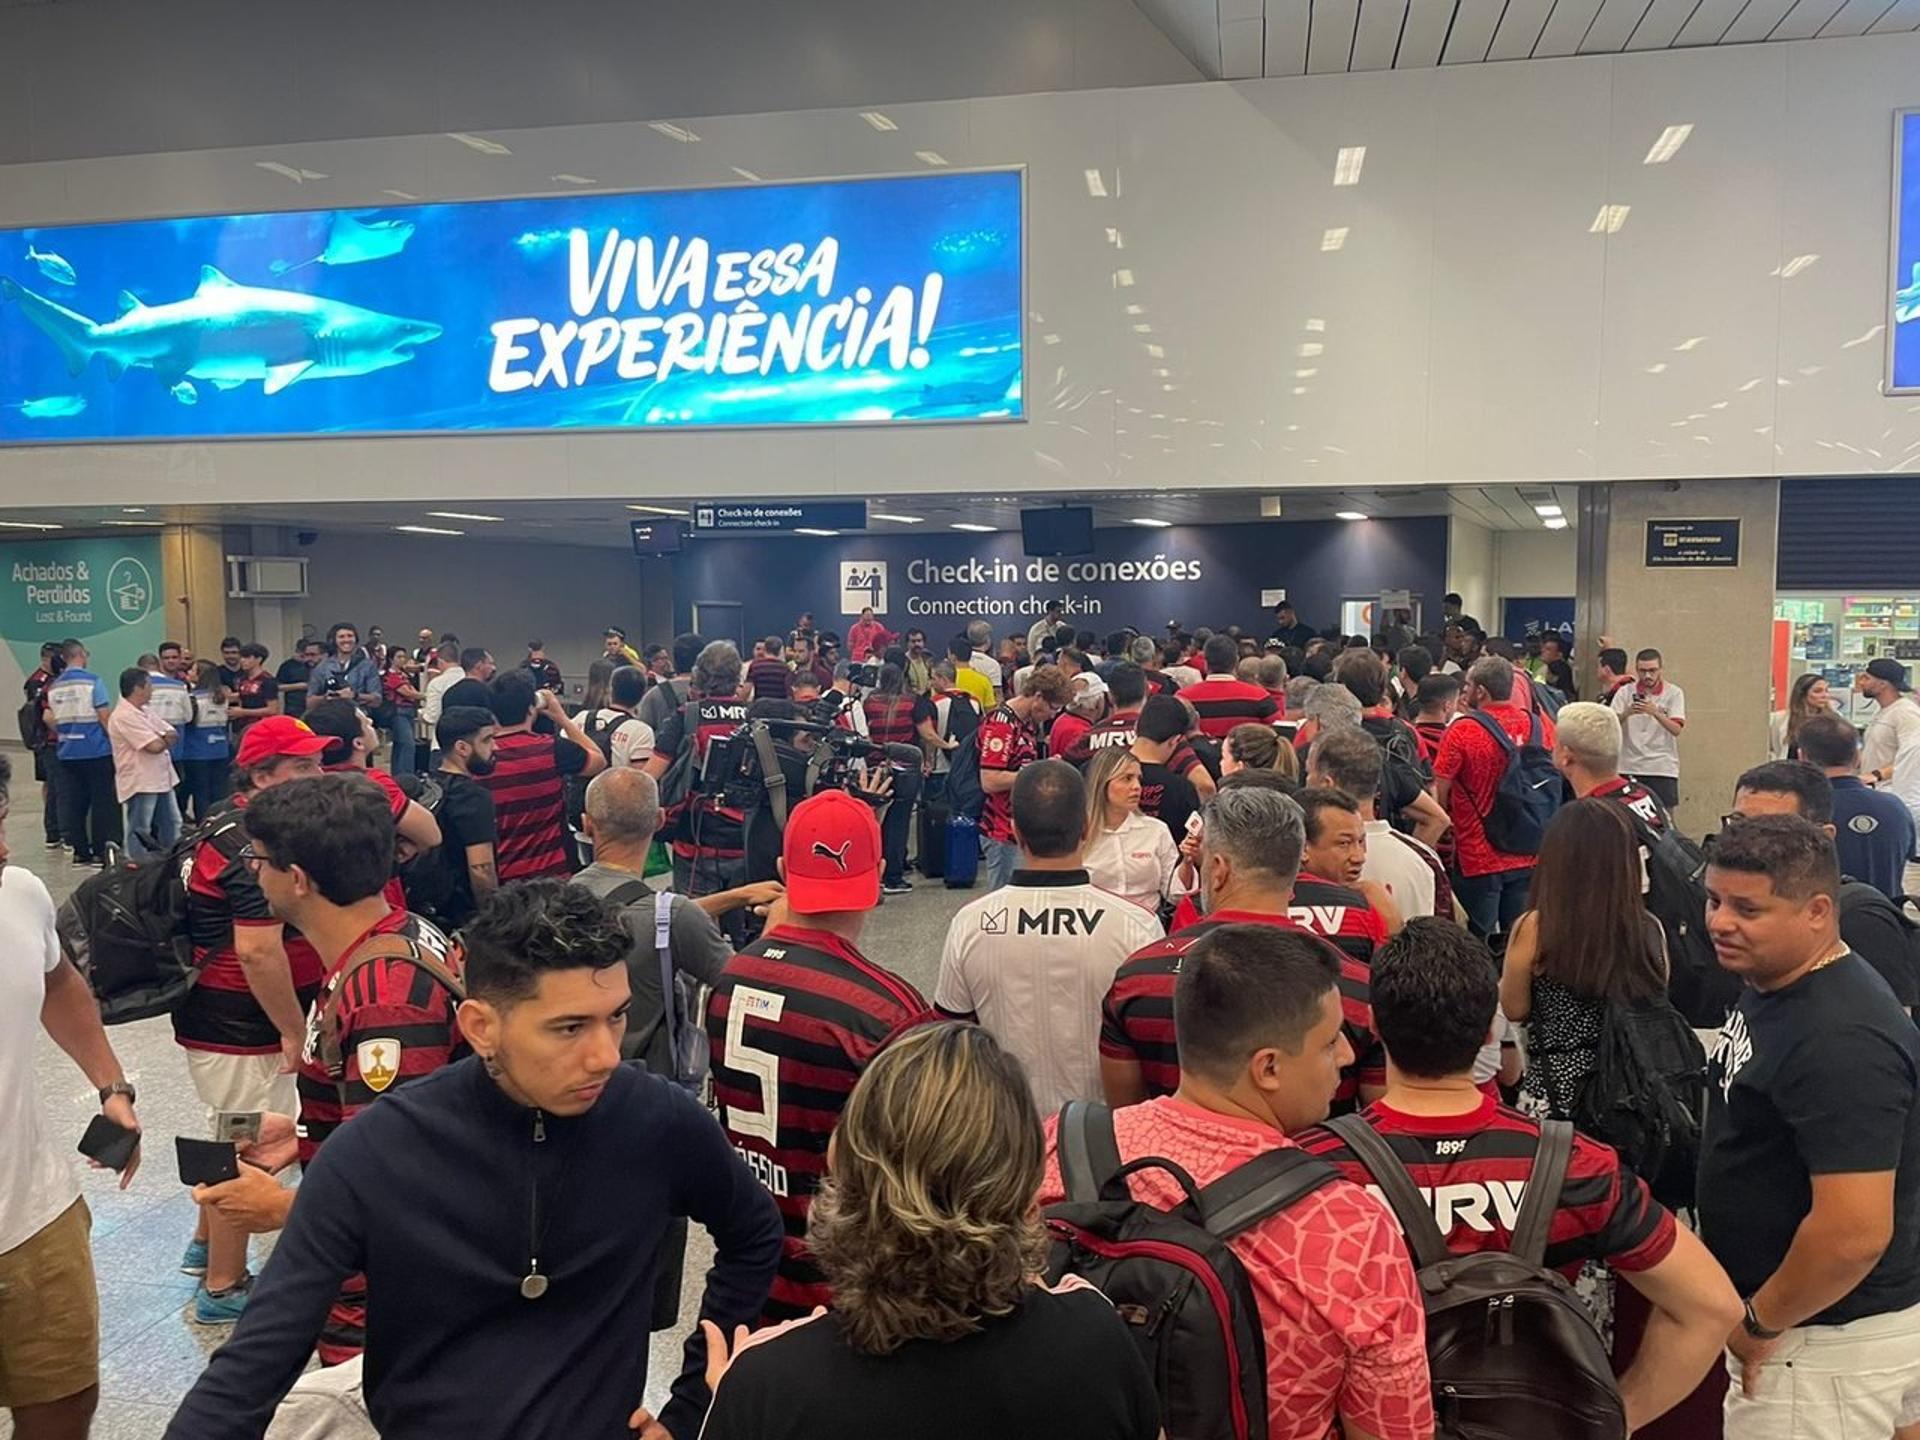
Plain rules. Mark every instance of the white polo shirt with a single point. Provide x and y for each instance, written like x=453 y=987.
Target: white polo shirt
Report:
x=37 y=1182
x=1646 y=746
x=1135 y=862
x=1394 y=861
x=1033 y=961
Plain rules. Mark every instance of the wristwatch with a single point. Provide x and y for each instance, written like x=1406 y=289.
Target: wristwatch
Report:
x=119 y=1087
x=1751 y=1324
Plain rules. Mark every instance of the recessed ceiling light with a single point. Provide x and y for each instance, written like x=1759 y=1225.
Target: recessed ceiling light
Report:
x=809 y=530
x=1558 y=522
x=969 y=525
x=464 y=515
x=1608 y=219
x=1150 y=522
x=1317 y=326
x=1311 y=348
x=1306 y=372
x=27 y=525
x=877 y=120
x=1692 y=342
x=566 y=178
x=1334 y=239
x=133 y=523
x=1794 y=266
x=1346 y=165
x=1548 y=510
x=426 y=530
x=930 y=157
x=1123 y=278
x=744 y=173
x=479 y=143
x=673 y=132
x=133 y=509
x=1096 y=186
x=1299 y=389
x=1348 y=515
x=1668 y=145
x=656 y=509
x=898 y=519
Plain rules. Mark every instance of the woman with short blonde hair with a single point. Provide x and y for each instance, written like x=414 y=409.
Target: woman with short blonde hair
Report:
x=926 y=1228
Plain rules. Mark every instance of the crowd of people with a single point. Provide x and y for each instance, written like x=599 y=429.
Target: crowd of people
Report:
x=1303 y=969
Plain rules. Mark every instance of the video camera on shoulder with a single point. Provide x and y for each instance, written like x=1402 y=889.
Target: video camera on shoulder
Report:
x=813 y=757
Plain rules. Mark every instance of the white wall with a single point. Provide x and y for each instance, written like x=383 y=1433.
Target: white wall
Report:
x=1531 y=563
x=490 y=594
x=1472 y=327
x=1470 y=568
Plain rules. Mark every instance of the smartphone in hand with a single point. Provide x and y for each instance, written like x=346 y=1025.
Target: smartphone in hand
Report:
x=206 y=1162
x=109 y=1143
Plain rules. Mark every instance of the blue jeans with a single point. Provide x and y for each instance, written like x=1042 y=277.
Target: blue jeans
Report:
x=400 y=762
x=152 y=815
x=1493 y=902
x=998 y=862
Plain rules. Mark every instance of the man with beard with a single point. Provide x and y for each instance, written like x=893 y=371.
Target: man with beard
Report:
x=469 y=874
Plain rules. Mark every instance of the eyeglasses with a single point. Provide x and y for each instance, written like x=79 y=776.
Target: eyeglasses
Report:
x=250 y=856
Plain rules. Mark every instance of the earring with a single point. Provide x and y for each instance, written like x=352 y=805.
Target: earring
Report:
x=491 y=1065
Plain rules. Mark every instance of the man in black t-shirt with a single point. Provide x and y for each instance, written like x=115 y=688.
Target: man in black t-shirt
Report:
x=292 y=677
x=468 y=871
x=1809 y=1189
x=1167 y=796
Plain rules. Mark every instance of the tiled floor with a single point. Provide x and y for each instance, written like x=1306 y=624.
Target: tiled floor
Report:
x=150 y=1352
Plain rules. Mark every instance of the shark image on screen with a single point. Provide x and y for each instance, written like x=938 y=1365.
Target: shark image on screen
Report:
x=228 y=334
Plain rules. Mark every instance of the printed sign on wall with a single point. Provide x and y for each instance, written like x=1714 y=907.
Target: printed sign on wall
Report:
x=829 y=302
x=105 y=593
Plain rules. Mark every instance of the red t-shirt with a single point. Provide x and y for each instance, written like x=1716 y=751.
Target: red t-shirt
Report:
x=1474 y=762
x=1068 y=735
x=1006 y=743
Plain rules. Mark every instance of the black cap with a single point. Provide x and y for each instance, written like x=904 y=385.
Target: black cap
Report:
x=1891 y=671
x=611 y=631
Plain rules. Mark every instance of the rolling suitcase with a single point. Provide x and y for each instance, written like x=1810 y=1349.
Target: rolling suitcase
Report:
x=963 y=852
x=934 y=815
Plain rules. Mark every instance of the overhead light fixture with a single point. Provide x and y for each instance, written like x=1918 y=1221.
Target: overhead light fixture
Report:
x=656 y=510
x=1547 y=511
x=1158 y=352
x=1311 y=348
x=133 y=509
x=1659 y=367
x=1692 y=342
x=744 y=173
x=1123 y=278
x=898 y=519
x=1143 y=328
x=969 y=525
x=1096 y=187
x=1559 y=522
x=1299 y=389
x=426 y=530
x=877 y=120
x=565 y=178
x=1316 y=326
x=27 y=525
x=809 y=530
x=1348 y=515
x=401 y=194
x=295 y=173
x=1346 y=165
x=1668 y=145
x=1794 y=266
x=672 y=131
x=1150 y=522
x=930 y=157
x=1608 y=219
x=464 y=515
x=1306 y=374
x=481 y=144
x=1334 y=239
x=133 y=523
x=1136 y=310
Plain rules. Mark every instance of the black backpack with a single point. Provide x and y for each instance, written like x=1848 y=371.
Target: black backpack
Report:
x=126 y=930
x=1530 y=789
x=1403 y=774
x=1677 y=898
x=602 y=735
x=1513 y=1351
x=425 y=878
x=1647 y=1094
x=33 y=726
x=1170 y=1274
x=965 y=794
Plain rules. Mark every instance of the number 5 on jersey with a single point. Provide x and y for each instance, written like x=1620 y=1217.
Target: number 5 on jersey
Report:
x=761 y=1005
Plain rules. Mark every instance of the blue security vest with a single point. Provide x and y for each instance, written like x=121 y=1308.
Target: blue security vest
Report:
x=172 y=702
x=206 y=737
x=73 y=698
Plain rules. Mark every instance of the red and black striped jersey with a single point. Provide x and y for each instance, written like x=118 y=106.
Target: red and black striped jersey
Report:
x=1117 y=731
x=769 y=679
x=397 y=803
x=793 y=1021
x=1342 y=917
x=1430 y=733
x=1473 y=1169
x=1006 y=743
x=1136 y=1018
x=530 y=838
x=717 y=828
x=397 y=1023
x=1222 y=702
x=223 y=893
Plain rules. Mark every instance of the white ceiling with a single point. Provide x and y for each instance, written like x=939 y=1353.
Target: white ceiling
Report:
x=1246 y=39
x=605 y=522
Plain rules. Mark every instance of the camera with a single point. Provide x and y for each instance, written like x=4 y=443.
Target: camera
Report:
x=863 y=677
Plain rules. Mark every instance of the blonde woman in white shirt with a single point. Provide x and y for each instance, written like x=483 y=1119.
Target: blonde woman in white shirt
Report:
x=1129 y=853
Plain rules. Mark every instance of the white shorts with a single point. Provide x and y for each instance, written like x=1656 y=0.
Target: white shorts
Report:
x=1833 y=1382
x=240 y=1083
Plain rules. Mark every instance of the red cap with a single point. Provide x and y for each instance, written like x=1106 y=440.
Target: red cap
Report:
x=832 y=850
x=275 y=736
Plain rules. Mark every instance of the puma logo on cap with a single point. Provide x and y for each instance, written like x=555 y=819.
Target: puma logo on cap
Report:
x=837 y=856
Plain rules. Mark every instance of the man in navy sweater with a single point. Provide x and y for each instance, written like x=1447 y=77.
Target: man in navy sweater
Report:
x=508 y=1212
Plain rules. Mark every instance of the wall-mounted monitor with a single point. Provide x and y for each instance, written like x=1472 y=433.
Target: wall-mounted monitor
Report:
x=1064 y=530
x=835 y=302
x=656 y=537
x=1903 y=318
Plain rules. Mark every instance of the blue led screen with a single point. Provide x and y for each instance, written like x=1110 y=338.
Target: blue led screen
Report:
x=819 y=303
